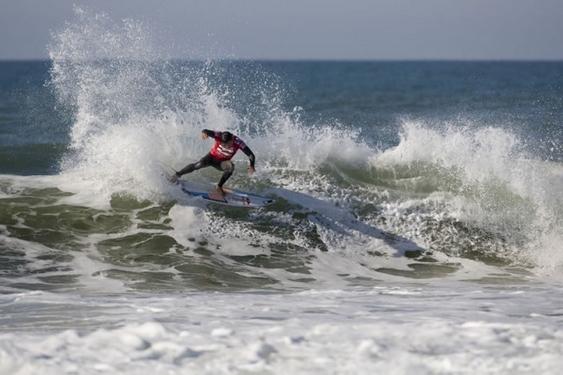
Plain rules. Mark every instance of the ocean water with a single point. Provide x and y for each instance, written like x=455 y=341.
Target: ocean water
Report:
x=417 y=225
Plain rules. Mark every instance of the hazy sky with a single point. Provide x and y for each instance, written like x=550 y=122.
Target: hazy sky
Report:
x=311 y=29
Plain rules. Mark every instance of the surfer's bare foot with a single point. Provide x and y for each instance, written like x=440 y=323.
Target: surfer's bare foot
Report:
x=219 y=190
x=218 y=193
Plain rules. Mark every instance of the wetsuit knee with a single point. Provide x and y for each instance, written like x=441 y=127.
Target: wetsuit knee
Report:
x=227 y=166
x=202 y=163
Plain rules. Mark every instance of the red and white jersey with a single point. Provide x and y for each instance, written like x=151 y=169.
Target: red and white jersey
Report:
x=222 y=152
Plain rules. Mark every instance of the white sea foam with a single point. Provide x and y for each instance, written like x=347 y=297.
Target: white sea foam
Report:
x=396 y=330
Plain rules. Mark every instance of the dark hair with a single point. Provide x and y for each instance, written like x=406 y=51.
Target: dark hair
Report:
x=226 y=137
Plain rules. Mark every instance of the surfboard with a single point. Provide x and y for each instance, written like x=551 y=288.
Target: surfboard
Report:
x=234 y=198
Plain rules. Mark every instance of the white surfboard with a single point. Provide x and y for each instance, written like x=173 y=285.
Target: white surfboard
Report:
x=234 y=198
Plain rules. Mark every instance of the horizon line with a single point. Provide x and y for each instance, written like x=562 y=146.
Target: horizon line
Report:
x=245 y=59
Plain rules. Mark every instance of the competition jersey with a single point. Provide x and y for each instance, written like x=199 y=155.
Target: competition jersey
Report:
x=222 y=152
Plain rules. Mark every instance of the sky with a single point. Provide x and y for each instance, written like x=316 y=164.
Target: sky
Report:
x=310 y=29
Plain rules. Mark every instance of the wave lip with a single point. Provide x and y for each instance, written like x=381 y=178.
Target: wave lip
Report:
x=490 y=180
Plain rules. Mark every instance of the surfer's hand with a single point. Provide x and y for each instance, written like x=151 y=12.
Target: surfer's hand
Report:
x=173 y=178
x=251 y=169
x=203 y=135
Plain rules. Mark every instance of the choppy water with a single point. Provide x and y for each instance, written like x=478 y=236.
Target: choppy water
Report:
x=417 y=226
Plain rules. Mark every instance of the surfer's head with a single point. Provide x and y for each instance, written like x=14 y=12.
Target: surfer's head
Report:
x=226 y=137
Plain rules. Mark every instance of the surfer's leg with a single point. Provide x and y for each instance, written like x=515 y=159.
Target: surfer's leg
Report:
x=202 y=163
x=228 y=167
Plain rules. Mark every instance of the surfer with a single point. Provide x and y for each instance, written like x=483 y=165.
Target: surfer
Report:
x=225 y=147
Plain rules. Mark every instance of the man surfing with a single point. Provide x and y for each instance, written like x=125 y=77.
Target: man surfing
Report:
x=225 y=147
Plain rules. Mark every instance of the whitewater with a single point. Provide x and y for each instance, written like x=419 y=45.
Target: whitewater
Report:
x=417 y=224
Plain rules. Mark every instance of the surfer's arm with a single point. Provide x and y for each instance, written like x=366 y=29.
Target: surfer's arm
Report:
x=208 y=133
x=250 y=155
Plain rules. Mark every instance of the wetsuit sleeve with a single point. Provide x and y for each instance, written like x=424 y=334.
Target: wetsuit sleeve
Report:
x=250 y=155
x=209 y=133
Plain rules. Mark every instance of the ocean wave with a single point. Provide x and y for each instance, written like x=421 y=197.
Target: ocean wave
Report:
x=448 y=197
